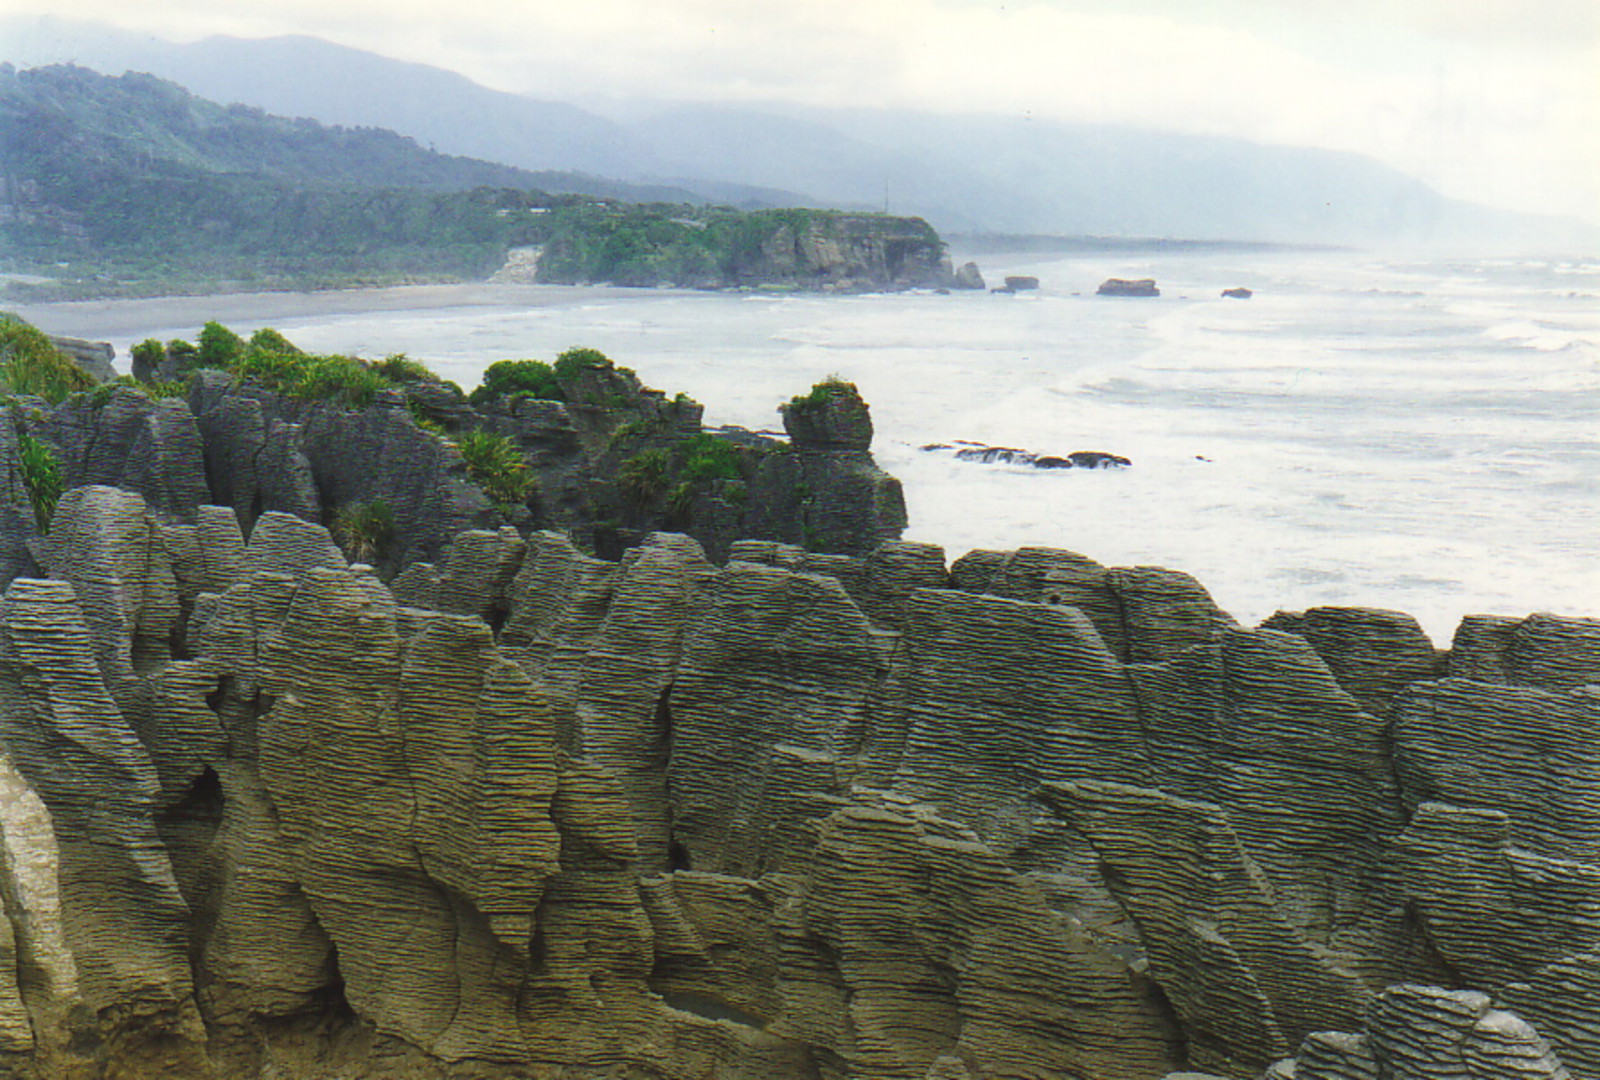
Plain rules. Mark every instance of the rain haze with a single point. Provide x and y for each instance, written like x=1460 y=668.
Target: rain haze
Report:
x=1496 y=103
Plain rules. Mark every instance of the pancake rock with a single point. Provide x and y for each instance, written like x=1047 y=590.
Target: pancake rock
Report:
x=525 y=811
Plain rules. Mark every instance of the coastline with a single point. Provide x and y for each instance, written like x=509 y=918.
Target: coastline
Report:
x=111 y=318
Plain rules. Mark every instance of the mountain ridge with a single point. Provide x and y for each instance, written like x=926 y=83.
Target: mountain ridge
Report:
x=971 y=173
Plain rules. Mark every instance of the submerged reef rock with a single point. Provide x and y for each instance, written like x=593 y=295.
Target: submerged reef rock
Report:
x=495 y=803
x=1125 y=287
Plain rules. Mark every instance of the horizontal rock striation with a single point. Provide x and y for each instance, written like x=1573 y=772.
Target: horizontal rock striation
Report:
x=524 y=811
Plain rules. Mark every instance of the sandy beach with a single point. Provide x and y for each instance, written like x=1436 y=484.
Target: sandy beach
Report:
x=117 y=320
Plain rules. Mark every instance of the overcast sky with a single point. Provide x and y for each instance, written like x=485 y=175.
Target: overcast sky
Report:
x=1497 y=101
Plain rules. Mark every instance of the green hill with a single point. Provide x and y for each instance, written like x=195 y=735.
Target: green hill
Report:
x=134 y=185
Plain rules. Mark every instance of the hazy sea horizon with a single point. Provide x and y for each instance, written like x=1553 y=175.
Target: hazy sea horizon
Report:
x=1407 y=433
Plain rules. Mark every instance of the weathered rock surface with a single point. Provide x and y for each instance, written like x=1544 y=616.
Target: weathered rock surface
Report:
x=528 y=812
x=94 y=357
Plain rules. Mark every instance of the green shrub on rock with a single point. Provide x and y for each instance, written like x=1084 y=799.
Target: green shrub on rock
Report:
x=182 y=353
x=400 y=368
x=643 y=478
x=338 y=378
x=147 y=358
x=269 y=368
x=162 y=389
x=41 y=476
x=270 y=340
x=29 y=364
x=706 y=457
x=823 y=392
x=511 y=378
x=575 y=361
x=495 y=464
x=680 y=503
x=219 y=346
x=364 y=530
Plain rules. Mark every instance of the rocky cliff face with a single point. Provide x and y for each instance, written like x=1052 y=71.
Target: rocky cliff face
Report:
x=847 y=252
x=234 y=443
x=801 y=814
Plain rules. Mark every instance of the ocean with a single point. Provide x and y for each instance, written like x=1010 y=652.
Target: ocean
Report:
x=1422 y=435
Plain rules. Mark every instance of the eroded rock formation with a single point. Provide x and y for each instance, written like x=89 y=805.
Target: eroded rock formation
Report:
x=233 y=442
x=527 y=812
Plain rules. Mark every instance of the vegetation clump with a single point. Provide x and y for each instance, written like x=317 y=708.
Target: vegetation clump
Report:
x=269 y=340
x=573 y=362
x=162 y=389
x=511 y=379
x=400 y=368
x=823 y=392
x=706 y=458
x=148 y=355
x=642 y=478
x=41 y=477
x=30 y=365
x=495 y=465
x=518 y=378
x=363 y=530
x=183 y=354
x=219 y=346
x=343 y=379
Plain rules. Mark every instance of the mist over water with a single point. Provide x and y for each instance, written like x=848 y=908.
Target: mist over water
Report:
x=1414 y=435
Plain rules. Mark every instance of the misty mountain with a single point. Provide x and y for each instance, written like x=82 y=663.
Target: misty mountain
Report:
x=567 y=148
x=962 y=173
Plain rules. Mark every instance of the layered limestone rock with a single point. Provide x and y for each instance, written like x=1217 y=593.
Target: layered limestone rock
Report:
x=529 y=812
x=1425 y=1031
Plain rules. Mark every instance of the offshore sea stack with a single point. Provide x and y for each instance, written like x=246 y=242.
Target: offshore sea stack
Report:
x=816 y=805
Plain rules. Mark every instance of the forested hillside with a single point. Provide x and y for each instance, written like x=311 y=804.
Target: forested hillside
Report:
x=132 y=184
x=135 y=180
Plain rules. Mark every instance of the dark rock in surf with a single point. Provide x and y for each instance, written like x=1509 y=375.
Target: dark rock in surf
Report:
x=1097 y=459
x=1021 y=282
x=1126 y=287
x=1240 y=293
x=1010 y=455
x=968 y=277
